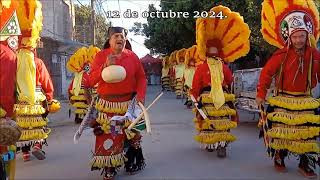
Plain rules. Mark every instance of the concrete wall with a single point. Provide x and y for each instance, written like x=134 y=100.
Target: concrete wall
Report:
x=58 y=19
x=58 y=28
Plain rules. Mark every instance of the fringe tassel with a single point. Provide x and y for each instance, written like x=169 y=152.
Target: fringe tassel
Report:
x=80 y=111
x=108 y=161
x=219 y=124
x=223 y=111
x=80 y=105
x=34 y=134
x=206 y=99
x=112 y=107
x=104 y=122
x=81 y=92
x=28 y=122
x=215 y=145
x=25 y=109
x=214 y=137
x=294 y=132
x=293 y=119
x=294 y=103
x=299 y=147
x=78 y=98
x=30 y=143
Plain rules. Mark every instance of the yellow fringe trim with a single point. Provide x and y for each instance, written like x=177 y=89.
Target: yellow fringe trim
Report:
x=31 y=122
x=24 y=109
x=206 y=99
x=54 y=106
x=299 y=147
x=293 y=119
x=81 y=92
x=80 y=105
x=34 y=134
x=219 y=124
x=214 y=137
x=223 y=111
x=80 y=111
x=293 y=132
x=112 y=107
x=2 y=113
x=294 y=103
x=104 y=121
x=78 y=98
x=108 y=161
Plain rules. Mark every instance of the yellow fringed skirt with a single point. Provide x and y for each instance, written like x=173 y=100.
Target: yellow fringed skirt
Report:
x=294 y=124
x=299 y=147
x=212 y=137
x=215 y=129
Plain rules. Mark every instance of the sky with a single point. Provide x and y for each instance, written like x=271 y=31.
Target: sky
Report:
x=112 y=6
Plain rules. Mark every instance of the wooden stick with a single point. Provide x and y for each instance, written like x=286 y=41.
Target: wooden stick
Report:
x=204 y=116
x=134 y=122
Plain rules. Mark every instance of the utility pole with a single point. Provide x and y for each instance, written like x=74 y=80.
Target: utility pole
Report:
x=93 y=24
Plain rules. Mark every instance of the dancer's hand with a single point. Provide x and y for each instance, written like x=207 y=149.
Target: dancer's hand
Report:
x=259 y=101
x=111 y=59
x=98 y=131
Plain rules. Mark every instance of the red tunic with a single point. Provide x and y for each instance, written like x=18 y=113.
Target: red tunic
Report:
x=135 y=80
x=8 y=68
x=202 y=78
x=290 y=67
x=43 y=78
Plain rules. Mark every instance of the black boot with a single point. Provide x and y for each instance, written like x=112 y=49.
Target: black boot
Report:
x=140 y=159
x=221 y=152
x=130 y=166
x=279 y=164
x=110 y=173
x=3 y=175
x=304 y=167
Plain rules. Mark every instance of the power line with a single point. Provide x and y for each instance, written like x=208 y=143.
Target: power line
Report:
x=120 y=11
x=138 y=43
x=170 y=2
x=137 y=4
x=104 y=12
x=80 y=3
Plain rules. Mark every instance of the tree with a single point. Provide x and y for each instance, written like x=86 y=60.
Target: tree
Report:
x=83 y=26
x=164 y=35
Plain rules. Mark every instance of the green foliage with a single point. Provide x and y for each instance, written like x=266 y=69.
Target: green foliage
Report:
x=83 y=26
x=166 y=35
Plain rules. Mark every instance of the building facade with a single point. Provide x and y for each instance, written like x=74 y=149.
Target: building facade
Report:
x=57 y=42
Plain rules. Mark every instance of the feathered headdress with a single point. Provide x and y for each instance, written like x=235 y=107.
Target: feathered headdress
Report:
x=165 y=61
x=230 y=35
x=82 y=57
x=77 y=64
x=180 y=55
x=279 y=19
x=30 y=19
x=172 y=58
x=192 y=53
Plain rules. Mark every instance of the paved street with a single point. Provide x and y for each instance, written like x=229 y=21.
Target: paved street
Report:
x=170 y=152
